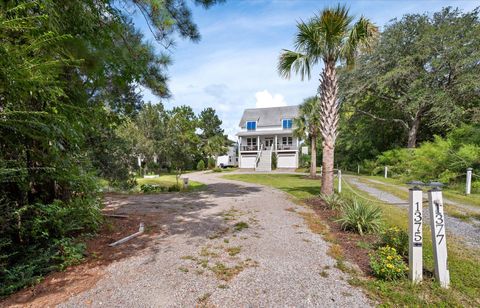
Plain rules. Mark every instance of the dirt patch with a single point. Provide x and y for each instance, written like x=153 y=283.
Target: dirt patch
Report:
x=355 y=247
x=59 y=286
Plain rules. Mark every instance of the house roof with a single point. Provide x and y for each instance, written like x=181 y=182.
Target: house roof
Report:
x=268 y=116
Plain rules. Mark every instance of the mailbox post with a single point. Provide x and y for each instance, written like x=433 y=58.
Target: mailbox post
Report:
x=439 y=240
x=415 y=232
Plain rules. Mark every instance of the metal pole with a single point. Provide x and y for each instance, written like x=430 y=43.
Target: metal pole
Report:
x=439 y=240
x=469 y=181
x=339 y=181
x=415 y=234
x=386 y=172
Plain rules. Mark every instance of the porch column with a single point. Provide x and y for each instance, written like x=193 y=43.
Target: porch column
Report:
x=275 y=144
x=258 y=143
x=297 y=142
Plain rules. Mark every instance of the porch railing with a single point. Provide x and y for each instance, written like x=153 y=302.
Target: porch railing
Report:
x=286 y=147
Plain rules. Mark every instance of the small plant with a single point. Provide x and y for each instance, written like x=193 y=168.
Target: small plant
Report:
x=233 y=251
x=174 y=187
x=239 y=226
x=387 y=264
x=396 y=238
x=334 y=201
x=274 y=161
x=149 y=188
x=201 y=165
x=216 y=169
x=360 y=217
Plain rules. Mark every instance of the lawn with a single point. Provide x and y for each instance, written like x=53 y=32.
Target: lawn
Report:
x=296 y=185
x=463 y=262
x=167 y=180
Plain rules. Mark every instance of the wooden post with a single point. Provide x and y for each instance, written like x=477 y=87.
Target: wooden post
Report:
x=469 y=181
x=439 y=240
x=339 y=181
x=415 y=235
x=386 y=172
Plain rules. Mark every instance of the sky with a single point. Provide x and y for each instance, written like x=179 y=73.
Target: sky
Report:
x=234 y=66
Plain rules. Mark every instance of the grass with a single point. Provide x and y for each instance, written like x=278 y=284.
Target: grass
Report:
x=463 y=262
x=166 y=180
x=239 y=226
x=295 y=184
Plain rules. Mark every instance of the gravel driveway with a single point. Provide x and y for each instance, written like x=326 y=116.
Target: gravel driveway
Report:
x=231 y=245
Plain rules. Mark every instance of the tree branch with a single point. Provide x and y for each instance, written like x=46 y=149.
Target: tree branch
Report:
x=404 y=124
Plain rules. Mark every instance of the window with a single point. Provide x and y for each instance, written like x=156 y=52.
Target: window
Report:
x=287 y=140
x=251 y=125
x=251 y=141
x=287 y=123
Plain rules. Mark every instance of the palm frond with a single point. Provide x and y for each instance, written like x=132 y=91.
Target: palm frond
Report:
x=362 y=37
x=294 y=61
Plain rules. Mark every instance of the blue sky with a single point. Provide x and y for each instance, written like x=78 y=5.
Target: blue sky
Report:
x=233 y=67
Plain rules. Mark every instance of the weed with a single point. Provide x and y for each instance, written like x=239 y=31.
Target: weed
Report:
x=233 y=251
x=226 y=241
x=336 y=252
x=183 y=269
x=324 y=274
x=205 y=252
x=223 y=286
x=239 y=226
x=204 y=297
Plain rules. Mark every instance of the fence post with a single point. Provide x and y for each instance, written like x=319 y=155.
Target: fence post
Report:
x=415 y=234
x=439 y=240
x=386 y=172
x=321 y=170
x=358 y=169
x=339 y=181
x=469 y=181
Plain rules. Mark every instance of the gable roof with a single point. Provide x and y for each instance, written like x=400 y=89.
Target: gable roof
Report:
x=268 y=116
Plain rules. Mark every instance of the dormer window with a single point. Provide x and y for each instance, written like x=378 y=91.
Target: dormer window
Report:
x=251 y=125
x=287 y=123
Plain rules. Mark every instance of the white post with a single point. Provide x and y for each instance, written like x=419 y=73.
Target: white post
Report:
x=415 y=235
x=139 y=160
x=358 y=169
x=469 y=181
x=386 y=172
x=321 y=170
x=258 y=143
x=339 y=181
x=439 y=240
x=275 y=145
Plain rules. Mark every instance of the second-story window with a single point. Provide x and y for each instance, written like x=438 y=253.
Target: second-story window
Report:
x=251 y=125
x=287 y=123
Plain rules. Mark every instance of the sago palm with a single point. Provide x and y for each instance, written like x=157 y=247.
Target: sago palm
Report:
x=333 y=38
x=307 y=125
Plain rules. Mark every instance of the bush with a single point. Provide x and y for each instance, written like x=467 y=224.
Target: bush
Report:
x=201 y=165
x=334 y=201
x=387 y=264
x=305 y=160
x=174 y=187
x=216 y=169
x=395 y=238
x=211 y=163
x=274 y=161
x=360 y=217
x=149 y=188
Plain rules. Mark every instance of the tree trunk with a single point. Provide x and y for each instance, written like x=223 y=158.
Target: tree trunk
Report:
x=329 y=122
x=413 y=131
x=313 y=157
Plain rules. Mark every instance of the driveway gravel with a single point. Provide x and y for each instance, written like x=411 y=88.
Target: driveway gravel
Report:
x=231 y=245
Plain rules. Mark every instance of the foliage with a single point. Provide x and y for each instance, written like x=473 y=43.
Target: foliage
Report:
x=395 y=238
x=387 y=264
x=211 y=163
x=201 y=165
x=149 y=188
x=274 y=161
x=305 y=160
x=217 y=169
x=361 y=217
x=335 y=201
x=330 y=37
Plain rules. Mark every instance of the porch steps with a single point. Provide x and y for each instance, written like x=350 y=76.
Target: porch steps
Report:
x=265 y=162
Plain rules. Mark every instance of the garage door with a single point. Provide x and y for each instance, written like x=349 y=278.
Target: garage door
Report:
x=287 y=161
x=248 y=161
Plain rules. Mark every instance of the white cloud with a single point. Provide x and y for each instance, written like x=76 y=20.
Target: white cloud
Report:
x=264 y=99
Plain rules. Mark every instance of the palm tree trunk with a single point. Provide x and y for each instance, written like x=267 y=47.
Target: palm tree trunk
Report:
x=313 y=157
x=329 y=121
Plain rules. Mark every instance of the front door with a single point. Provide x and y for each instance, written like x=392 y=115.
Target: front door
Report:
x=268 y=143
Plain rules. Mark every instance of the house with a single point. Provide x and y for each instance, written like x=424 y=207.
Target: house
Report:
x=230 y=159
x=265 y=132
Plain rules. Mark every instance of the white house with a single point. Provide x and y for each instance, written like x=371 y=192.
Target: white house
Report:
x=265 y=131
x=230 y=159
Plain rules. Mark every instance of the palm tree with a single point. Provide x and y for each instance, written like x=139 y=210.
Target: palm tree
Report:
x=307 y=125
x=333 y=38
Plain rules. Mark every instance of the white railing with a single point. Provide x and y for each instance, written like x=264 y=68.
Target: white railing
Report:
x=257 y=160
x=286 y=147
x=248 y=148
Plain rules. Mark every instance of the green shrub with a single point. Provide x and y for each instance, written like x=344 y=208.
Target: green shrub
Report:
x=216 y=169
x=149 y=188
x=395 y=238
x=211 y=163
x=361 y=217
x=274 y=161
x=174 y=187
x=387 y=264
x=201 y=165
x=334 y=201
x=305 y=160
